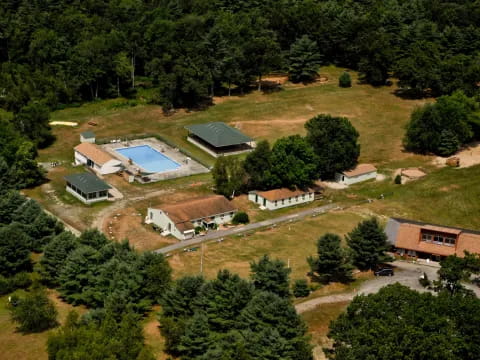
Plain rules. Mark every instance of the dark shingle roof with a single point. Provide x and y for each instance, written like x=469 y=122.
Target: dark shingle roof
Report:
x=87 y=135
x=218 y=134
x=87 y=182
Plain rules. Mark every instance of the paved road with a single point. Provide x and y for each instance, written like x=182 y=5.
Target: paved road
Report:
x=406 y=274
x=249 y=227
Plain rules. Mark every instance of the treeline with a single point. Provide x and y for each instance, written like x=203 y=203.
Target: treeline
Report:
x=330 y=146
x=233 y=318
x=58 y=52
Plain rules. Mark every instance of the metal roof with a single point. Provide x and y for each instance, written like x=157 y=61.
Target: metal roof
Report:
x=87 y=182
x=218 y=134
x=88 y=134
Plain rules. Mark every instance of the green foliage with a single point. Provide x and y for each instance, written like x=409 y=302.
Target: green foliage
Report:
x=332 y=263
x=300 y=288
x=368 y=242
x=424 y=281
x=258 y=165
x=440 y=128
x=32 y=121
x=271 y=275
x=240 y=218
x=54 y=256
x=398 y=179
x=304 y=60
x=293 y=162
x=111 y=336
x=345 y=80
x=18 y=281
x=229 y=318
x=35 y=312
x=229 y=176
x=14 y=251
x=455 y=270
x=334 y=141
x=398 y=323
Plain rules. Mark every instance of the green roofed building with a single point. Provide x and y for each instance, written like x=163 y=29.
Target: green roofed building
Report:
x=217 y=138
x=87 y=187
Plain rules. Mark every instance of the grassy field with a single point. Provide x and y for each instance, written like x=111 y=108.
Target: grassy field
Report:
x=377 y=113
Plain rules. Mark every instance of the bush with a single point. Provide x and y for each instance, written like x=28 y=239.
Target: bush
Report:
x=240 y=218
x=199 y=229
x=345 y=80
x=300 y=288
x=398 y=179
x=35 y=312
x=424 y=281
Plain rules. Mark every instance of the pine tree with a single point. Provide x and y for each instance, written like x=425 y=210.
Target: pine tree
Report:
x=14 y=250
x=300 y=288
x=332 y=263
x=271 y=275
x=55 y=254
x=448 y=143
x=345 y=80
x=35 y=312
x=304 y=60
x=368 y=242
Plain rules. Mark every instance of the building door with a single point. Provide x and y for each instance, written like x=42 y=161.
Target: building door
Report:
x=256 y=198
x=264 y=202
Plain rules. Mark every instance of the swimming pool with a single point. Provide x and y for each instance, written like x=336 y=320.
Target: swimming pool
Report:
x=148 y=158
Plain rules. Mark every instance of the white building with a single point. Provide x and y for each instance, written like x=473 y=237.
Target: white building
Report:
x=280 y=198
x=96 y=158
x=87 y=187
x=181 y=219
x=361 y=172
x=87 y=137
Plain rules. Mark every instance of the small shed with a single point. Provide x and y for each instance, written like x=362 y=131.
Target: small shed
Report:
x=87 y=187
x=359 y=173
x=217 y=138
x=87 y=137
x=280 y=198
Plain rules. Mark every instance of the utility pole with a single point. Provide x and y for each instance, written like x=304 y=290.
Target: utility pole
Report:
x=201 y=258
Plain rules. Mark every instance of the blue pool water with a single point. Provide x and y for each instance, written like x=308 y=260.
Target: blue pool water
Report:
x=148 y=158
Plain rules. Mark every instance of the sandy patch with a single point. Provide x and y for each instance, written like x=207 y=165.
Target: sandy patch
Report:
x=380 y=177
x=449 y=187
x=469 y=156
x=334 y=185
x=64 y=123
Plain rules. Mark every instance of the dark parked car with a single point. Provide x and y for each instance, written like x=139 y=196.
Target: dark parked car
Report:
x=384 y=272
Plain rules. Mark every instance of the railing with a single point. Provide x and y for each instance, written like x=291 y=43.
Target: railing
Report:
x=131 y=137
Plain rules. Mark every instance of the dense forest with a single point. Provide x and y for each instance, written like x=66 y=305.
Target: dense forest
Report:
x=64 y=51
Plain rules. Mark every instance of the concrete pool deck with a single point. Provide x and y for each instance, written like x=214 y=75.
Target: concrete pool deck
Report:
x=187 y=167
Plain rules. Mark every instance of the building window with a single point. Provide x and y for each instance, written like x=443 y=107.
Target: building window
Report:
x=427 y=237
x=303 y=197
x=450 y=241
x=151 y=215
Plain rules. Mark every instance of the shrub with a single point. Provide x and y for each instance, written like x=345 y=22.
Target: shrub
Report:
x=240 y=218
x=398 y=179
x=300 y=288
x=199 y=229
x=424 y=281
x=345 y=80
x=35 y=312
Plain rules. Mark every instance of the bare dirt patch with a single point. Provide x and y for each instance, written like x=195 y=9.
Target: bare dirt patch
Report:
x=469 y=156
x=449 y=188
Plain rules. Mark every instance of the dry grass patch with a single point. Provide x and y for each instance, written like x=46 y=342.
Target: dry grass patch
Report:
x=291 y=242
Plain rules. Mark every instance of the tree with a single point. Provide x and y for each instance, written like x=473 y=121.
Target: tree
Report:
x=399 y=323
x=345 y=80
x=33 y=121
x=304 y=60
x=293 y=163
x=229 y=176
x=334 y=141
x=332 y=263
x=300 y=288
x=55 y=254
x=35 y=312
x=448 y=143
x=14 y=250
x=258 y=165
x=437 y=128
x=271 y=275
x=454 y=270
x=368 y=242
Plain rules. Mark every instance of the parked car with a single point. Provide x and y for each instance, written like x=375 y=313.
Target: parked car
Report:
x=386 y=271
